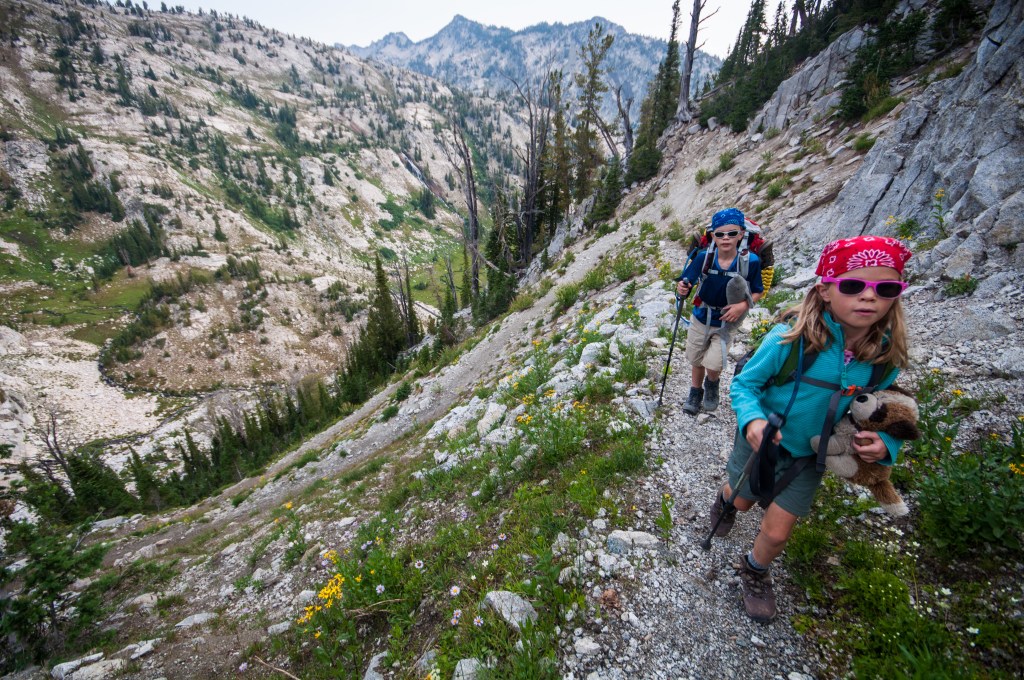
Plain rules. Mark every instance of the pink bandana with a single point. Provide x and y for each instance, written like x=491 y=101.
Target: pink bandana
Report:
x=858 y=252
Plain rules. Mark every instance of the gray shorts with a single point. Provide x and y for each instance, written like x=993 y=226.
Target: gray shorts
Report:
x=798 y=495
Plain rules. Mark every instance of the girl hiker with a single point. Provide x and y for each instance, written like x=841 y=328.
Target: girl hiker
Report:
x=850 y=337
x=707 y=341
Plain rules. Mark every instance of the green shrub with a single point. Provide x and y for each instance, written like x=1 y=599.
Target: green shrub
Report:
x=625 y=267
x=522 y=301
x=965 y=285
x=863 y=143
x=881 y=108
x=726 y=160
x=403 y=391
x=976 y=501
x=388 y=413
x=35 y=625
x=594 y=279
x=632 y=363
x=675 y=231
x=775 y=189
x=598 y=389
x=703 y=175
x=566 y=296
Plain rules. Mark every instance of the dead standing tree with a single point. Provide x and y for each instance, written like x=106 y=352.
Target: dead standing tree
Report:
x=627 y=126
x=683 y=111
x=538 y=108
x=462 y=159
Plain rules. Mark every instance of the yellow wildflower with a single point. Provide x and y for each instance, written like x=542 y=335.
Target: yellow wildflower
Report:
x=288 y=505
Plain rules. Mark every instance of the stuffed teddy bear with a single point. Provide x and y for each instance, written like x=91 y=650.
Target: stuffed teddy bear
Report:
x=889 y=411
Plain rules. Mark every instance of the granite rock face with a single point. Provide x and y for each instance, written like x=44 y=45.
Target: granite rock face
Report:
x=813 y=85
x=963 y=135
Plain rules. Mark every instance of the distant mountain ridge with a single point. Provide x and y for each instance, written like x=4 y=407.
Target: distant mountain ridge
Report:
x=479 y=58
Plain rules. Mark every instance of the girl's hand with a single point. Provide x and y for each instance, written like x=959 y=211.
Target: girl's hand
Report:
x=755 y=432
x=869 y=446
x=733 y=312
x=683 y=288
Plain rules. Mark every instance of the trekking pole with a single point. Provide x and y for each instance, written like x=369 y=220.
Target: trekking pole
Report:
x=775 y=422
x=675 y=330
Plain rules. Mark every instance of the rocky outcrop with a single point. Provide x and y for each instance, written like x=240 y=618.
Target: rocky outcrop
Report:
x=963 y=135
x=813 y=89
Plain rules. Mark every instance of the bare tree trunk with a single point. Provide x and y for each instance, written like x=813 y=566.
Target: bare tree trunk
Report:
x=539 y=123
x=683 y=111
x=803 y=12
x=627 y=126
x=607 y=134
x=463 y=161
x=449 y=280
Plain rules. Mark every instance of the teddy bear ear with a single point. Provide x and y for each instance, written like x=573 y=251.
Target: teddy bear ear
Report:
x=899 y=390
x=904 y=430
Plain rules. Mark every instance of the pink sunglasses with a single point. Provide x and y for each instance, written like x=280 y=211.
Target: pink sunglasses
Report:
x=890 y=290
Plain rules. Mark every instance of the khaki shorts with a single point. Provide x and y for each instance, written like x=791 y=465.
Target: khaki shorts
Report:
x=796 y=498
x=704 y=346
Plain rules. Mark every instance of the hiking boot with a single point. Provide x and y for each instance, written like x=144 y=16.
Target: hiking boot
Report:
x=692 y=405
x=710 y=395
x=727 y=520
x=758 y=595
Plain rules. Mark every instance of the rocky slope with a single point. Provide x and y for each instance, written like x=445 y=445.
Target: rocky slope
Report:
x=225 y=141
x=645 y=600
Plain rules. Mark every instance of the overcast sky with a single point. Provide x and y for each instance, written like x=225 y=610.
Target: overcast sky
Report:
x=360 y=22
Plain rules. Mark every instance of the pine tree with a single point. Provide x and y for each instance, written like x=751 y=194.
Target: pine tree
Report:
x=500 y=252
x=557 y=166
x=384 y=331
x=587 y=154
x=147 y=486
x=657 y=111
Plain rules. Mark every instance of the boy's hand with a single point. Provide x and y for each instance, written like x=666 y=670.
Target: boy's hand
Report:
x=733 y=312
x=869 y=446
x=755 y=431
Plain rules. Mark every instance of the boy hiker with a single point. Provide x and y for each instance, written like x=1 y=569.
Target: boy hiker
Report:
x=710 y=270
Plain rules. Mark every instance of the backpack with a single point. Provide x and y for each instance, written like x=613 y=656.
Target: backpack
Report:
x=753 y=242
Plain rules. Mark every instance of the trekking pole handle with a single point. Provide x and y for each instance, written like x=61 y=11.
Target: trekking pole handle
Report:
x=681 y=298
x=775 y=423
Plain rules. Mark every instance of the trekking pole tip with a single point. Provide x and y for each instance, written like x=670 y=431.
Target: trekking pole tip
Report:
x=706 y=544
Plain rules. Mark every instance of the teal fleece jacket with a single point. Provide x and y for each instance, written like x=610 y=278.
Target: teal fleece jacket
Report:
x=751 y=400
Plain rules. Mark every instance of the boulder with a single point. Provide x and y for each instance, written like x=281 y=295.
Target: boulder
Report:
x=468 y=669
x=279 y=628
x=371 y=670
x=621 y=542
x=101 y=670
x=64 y=670
x=196 y=620
x=511 y=607
x=495 y=412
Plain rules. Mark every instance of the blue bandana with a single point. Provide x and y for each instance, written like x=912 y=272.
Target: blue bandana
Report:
x=727 y=216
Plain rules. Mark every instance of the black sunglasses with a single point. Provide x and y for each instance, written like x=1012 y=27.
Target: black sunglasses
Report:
x=724 y=234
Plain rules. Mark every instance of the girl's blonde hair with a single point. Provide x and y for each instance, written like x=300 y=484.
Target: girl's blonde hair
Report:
x=885 y=342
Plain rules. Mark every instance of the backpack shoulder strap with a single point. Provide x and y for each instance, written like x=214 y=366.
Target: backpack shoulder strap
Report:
x=788 y=369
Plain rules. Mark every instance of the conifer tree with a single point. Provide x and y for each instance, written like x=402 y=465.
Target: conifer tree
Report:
x=657 y=111
x=587 y=154
x=384 y=331
x=557 y=166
